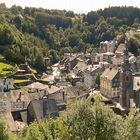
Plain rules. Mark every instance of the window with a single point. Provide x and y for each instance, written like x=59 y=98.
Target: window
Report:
x=114 y=93
x=114 y=84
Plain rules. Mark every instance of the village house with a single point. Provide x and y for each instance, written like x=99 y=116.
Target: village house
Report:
x=118 y=83
x=69 y=61
x=120 y=49
x=90 y=75
x=80 y=68
x=117 y=60
x=24 y=69
x=39 y=109
x=110 y=82
x=51 y=91
x=135 y=64
x=6 y=84
x=107 y=46
x=73 y=93
x=104 y=57
x=19 y=108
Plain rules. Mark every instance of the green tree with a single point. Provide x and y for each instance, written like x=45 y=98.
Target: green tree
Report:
x=39 y=62
x=33 y=133
x=4 y=133
x=131 y=126
x=78 y=122
x=105 y=122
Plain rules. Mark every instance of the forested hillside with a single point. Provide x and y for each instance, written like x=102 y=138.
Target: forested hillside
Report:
x=38 y=32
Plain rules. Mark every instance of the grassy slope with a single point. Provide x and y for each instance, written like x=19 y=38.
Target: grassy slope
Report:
x=134 y=35
x=5 y=68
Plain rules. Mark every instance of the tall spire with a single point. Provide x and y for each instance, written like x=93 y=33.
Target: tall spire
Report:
x=126 y=64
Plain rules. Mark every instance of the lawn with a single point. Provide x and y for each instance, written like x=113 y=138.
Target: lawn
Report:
x=17 y=81
x=5 y=68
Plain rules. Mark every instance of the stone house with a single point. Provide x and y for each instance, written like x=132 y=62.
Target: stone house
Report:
x=6 y=84
x=117 y=60
x=107 y=46
x=51 y=91
x=90 y=75
x=104 y=57
x=17 y=106
x=110 y=82
x=24 y=69
x=135 y=65
x=120 y=49
x=118 y=83
x=71 y=63
x=80 y=68
x=39 y=109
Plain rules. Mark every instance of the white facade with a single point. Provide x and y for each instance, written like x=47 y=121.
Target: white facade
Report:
x=6 y=84
x=107 y=46
x=104 y=57
x=90 y=75
x=117 y=60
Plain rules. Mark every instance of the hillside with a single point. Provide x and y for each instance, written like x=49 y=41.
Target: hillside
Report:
x=35 y=33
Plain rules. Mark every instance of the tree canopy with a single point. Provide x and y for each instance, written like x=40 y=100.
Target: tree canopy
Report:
x=23 y=31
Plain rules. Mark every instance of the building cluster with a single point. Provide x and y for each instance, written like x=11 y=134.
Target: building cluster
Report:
x=111 y=70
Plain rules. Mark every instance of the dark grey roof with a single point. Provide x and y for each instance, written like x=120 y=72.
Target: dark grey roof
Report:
x=38 y=109
x=121 y=48
x=72 y=92
x=81 y=66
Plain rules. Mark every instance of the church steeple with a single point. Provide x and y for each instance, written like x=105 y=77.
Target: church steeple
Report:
x=125 y=63
x=126 y=80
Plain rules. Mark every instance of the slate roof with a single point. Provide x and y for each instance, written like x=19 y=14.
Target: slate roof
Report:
x=73 y=93
x=81 y=66
x=50 y=89
x=39 y=109
x=121 y=48
x=110 y=73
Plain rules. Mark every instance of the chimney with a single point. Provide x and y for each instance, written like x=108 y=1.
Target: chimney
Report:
x=49 y=85
x=19 y=98
x=63 y=94
x=45 y=96
x=91 y=68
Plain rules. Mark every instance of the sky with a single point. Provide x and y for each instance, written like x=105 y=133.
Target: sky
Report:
x=78 y=6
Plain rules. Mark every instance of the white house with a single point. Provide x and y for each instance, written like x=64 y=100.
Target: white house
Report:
x=90 y=75
x=6 y=84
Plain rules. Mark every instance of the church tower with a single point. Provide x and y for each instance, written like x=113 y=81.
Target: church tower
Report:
x=126 y=81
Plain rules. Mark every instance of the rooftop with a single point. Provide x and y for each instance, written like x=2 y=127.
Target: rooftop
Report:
x=50 y=89
x=110 y=73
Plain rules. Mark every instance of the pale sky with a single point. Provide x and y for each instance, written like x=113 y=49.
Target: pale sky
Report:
x=78 y=6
